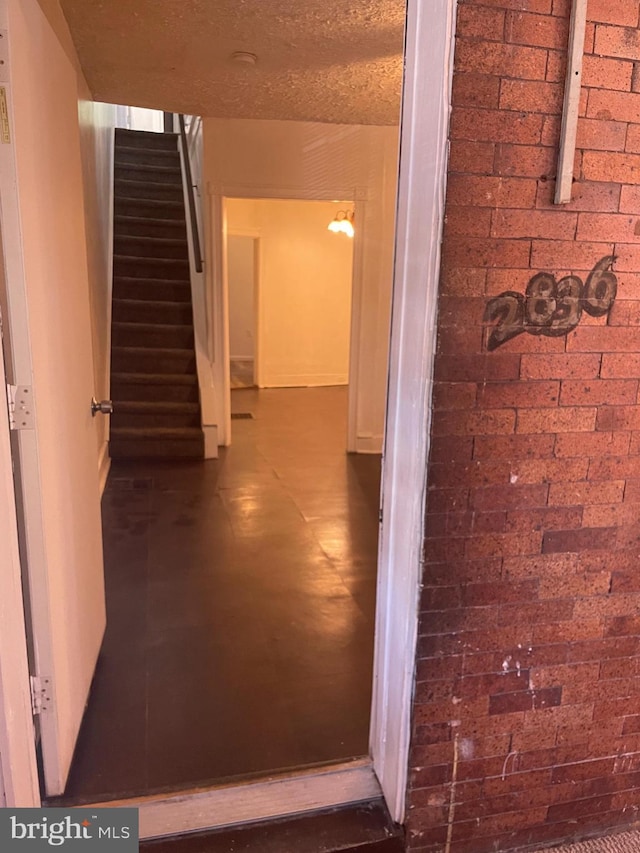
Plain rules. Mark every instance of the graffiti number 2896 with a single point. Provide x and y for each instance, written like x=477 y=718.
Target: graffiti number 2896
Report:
x=551 y=307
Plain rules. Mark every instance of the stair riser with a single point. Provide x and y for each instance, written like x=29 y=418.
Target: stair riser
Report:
x=125 y=312
x=142 y=139
x=150 y=268
x=132 y=189
x=179 y=337
x=158 y=229
x=129 y=419
x=146 y=157
x=156 y=175
x=147 y=209
x=152 y=289
x=151 y=362
x=153 y=393
x=149 y=448
x=141 y=248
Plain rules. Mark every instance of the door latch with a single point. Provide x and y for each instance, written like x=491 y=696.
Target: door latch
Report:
x=20 y=400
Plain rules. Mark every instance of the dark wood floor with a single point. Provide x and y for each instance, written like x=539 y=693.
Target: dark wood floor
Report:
x=241 y=597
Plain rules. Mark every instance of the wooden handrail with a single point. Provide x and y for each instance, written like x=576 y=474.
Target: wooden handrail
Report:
x=195 y=236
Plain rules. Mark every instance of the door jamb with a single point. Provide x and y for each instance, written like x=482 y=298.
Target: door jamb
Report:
x=424 y=151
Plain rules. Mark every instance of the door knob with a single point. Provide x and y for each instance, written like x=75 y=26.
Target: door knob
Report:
x=105 y=407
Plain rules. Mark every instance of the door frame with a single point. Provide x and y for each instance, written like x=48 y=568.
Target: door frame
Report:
x=423 y=169
x=257 y=237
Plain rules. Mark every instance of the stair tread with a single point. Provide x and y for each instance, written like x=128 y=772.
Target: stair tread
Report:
x=145 y=238
x=144 y=259
x=150 y=167
x=145 y=183
x=158 y=406
x=158 y=432
x=139 y=149
x=155 y=303
x=154 y=202
x=146 y=220
x=157 y=350
x=155 y=378
x=151 y=281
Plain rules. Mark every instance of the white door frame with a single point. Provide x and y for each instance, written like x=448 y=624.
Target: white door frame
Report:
x=256 y=235
x=423 y=162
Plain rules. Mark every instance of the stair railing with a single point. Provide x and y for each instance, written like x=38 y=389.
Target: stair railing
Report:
x=191 y=200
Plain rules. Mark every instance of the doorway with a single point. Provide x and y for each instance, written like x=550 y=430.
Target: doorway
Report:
x=407 y=427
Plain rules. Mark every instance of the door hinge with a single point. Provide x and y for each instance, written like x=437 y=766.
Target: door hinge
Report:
x=40 y=694
x=20 y=399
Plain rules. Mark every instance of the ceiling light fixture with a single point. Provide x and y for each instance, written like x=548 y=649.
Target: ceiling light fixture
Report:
x=244 y=57
x=342 y=223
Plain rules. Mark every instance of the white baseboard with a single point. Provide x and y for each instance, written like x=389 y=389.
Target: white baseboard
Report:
x=104 y=464
x=308 y=380
x=210 y=441
x=274 y=797
x=368 y=443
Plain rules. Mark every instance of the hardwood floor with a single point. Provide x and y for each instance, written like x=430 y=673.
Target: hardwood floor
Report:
x=241 y=598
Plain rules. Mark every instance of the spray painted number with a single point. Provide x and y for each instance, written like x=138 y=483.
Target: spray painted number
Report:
x=550 y=307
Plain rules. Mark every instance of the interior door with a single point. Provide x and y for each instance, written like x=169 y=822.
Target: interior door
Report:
x=41 y=198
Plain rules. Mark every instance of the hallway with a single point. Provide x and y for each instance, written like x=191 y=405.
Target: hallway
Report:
x=241 y=598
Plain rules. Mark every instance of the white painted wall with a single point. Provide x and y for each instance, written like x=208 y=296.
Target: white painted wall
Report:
x=140 y=118
x=304 y=296
x=241 y=276
x=245 y=158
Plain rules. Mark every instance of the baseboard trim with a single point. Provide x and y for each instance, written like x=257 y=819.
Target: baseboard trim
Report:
x=274 y=797
x=308 y=380
x=210 y=441
x=368 y=443
x=104 y=464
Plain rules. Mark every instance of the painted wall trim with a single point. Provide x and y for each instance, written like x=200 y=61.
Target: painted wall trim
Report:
x=104 y=464
x=421 y=194
x=277 y=796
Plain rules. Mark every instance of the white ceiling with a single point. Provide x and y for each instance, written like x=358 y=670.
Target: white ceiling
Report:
x=334 y=61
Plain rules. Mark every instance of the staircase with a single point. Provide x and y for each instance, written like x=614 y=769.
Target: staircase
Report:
x=154 y=384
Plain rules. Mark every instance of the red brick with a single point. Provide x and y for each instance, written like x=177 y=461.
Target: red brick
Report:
x=548 y=470
x=495 y=395
x=612 y=166
x=501 y=279
x=600 y=197
x=615 y=41
x=480 y=22
x=560 y=366
x=591 y=444
x=611 y=515
x=531 y=96
x=626 y=581
x=458 y=395
x=541 y=7
x=572 y=586
x=574 y=541
x=616 y=227
x=552 y=518
x=575 y=810
x=503 y=545
x=495 y=126
x=578 y=494
x=621 y=626
x=627 y=257
x=509 y=496
x=556 y=66
x=536 y=30
x=534 y=223
x=602 y=73
x=527 y=161
x=463 y=282
x=600 y=392
x=601 y=135
x=461 y=338
x=468 y=221
x=472 y=157
x=630 y=200
x=615 y=468
x=607 y=605
x=635 y=78
x=476 y=90
x=564 y=254
x=491 y=192
x=503 y=60
x=513 y=447
x=624 y=13
x=604 y=339
x=616 y=418
x=481 y=252
x=616 y=366
x=494 y=422
x=569 y=419
x=475 y=473
x=485 y=367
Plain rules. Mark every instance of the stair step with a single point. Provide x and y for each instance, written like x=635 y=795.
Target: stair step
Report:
x=150 y=387
x=152 y=335
x=156 y=442
x=148 y=208
x=152 y=312
x=146 y=139
x=126 y=155
x=140 y=226
x=136 y=267
x=149 y=172
x=154 y=289
x=151 y=247
x=146 y=190
x=140 y=414
x=153 y=360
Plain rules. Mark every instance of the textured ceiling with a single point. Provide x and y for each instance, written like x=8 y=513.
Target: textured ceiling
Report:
x=318 y=60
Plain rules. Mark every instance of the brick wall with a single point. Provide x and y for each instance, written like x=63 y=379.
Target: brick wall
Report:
x=527 y=712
